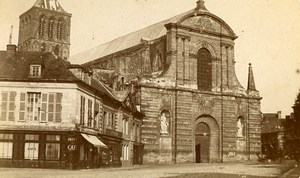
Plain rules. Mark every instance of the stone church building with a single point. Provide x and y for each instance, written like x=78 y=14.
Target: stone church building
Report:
x=182 y=74
x=182 y=71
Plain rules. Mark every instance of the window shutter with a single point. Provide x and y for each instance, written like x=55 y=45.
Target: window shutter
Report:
x=12 y=106
x=51 y=107
x=44 y=107
x=4 y=96
x=22 y=106
x=58 y=107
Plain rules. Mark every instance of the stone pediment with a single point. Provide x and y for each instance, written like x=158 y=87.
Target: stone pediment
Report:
x=207 y=23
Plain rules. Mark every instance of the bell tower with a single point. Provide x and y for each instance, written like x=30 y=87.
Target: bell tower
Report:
x=45 y=27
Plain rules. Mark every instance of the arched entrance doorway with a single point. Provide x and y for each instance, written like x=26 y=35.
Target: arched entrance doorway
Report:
x=206 y=140
x=202 y=143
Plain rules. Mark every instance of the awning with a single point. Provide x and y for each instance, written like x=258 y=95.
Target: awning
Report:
x=94 y=140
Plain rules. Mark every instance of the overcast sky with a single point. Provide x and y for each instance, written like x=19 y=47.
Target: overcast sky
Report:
x=268 y=31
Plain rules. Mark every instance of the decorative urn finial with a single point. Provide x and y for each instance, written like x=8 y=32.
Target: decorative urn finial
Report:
x=200 y=5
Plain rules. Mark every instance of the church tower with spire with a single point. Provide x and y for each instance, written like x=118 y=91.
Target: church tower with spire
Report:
x=45 y=27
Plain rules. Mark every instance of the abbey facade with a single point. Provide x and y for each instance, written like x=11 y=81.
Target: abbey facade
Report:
x=182 y=71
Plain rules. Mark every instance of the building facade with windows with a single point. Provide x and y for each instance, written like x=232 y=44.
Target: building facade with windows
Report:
x=273 y=136
x=55 y=115
x=182 y=74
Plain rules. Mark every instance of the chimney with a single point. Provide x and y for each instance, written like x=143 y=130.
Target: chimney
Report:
x=11 y=48
x=279 y=114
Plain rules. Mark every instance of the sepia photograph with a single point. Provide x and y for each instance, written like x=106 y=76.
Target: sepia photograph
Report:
x=149 y=88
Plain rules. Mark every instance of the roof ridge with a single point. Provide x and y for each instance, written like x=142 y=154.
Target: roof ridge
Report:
x=134 y=32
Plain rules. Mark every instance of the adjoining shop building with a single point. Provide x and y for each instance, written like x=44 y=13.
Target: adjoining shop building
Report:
x=55 y=115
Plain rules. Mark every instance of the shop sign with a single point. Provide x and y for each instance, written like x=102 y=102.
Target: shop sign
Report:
x=71 y=147
x=71 y=139
x=113 y=133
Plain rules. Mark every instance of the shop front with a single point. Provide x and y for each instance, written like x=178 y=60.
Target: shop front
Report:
x=89 y=153
x=138 y=153
x=111 y=157
x=33 y=149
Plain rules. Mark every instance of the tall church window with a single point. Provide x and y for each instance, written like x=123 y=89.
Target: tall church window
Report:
x=59 y=30
x=50 y=30
x=42 y=27
x=240 y=127
x=204 y=70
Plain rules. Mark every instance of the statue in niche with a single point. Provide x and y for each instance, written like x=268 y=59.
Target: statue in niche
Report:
x=164 y=124
x=240 y=128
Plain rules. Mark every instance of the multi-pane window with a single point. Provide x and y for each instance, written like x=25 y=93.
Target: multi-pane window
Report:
x=31 y=149
x=204 y=70
x=138 y=130
x=123 y=125
x=133 y=132
x=6 y=145
x=98 y=121
x=82 y=109
x=34 y=106
x=53 y=148
x=40 y=107
x=35 y=70
x=8 y=106
x=104 y=118
x=90 y=118
x=126 y=126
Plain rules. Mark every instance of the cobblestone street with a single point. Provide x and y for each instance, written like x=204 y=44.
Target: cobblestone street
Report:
x=147 y=171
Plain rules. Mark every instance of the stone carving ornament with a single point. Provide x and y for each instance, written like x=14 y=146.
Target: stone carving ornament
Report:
x=205 y=105
x=164 y=124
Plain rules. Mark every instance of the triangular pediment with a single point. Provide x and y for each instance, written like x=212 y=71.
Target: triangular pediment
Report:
x=50 y=5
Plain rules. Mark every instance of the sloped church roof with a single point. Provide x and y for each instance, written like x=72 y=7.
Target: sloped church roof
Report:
x=150 y=33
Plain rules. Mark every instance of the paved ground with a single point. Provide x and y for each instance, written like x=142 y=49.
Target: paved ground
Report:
x=225 y=170
x=292 y=173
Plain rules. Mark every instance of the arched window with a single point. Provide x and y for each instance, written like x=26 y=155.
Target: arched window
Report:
x=240 y=127
x=204 y=70
x=50 y=29
x=59 y=30
x=56 y=50
x=42 y=27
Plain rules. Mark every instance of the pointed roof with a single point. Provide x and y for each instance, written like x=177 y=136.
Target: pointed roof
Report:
x=50 y=5
x=251 y=83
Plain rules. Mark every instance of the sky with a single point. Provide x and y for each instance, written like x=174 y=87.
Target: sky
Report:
x=268 y=35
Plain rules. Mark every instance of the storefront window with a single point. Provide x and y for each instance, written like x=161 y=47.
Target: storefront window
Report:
x=6 y=149
x=31 y=151
x=52 y=151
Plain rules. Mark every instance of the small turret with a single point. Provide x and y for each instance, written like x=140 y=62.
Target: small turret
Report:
x=251 y=83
